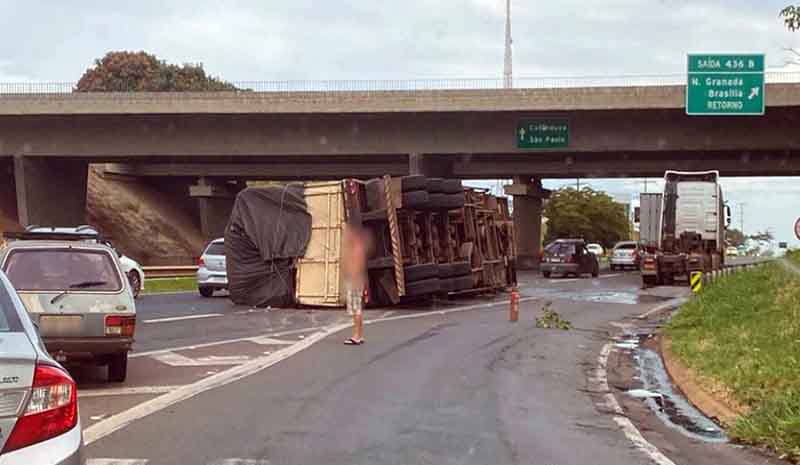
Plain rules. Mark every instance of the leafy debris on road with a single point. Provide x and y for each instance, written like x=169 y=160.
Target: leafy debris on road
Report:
x=550 y=319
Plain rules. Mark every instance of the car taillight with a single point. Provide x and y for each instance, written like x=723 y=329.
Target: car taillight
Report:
x=119 y=325
x=52 y=409
x=201 y=262
x=568 y=259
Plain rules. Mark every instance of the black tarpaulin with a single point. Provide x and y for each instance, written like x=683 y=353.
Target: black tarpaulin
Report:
x=269 y=229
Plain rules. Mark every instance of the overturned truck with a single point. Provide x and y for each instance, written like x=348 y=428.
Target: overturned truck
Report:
x=431 y=236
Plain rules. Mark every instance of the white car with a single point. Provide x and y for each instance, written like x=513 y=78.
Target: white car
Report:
x=211 y=272
x=596 y=249
x=134 y=272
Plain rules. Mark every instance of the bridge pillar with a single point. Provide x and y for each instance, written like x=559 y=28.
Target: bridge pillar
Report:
x=50 y=191
x=215 y=201
x=428 y=165
x=528 y=199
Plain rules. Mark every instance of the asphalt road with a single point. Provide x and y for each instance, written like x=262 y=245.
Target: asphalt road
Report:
x=462 y=387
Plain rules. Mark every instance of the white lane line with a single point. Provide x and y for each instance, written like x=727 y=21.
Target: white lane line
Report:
x=225 y=341
x=178 y=360
x=116 y=461
x=628 y=428
x=125 y=391
x=676 y=302
x=270 y=341
x=240 y=462
x=605 y=276
x=121 y=420
x=183 y=318
x=557 y=281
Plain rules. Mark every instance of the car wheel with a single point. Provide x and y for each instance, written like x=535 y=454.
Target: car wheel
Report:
x=136 y=283
x=596 y=271
x=118 y=368
x=546 y=274
x=206 y=291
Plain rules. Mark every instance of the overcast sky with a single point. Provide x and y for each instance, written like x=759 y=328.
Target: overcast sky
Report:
x=50 y=41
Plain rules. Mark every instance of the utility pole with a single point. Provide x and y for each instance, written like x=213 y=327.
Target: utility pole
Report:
x=741 y=216
x=508 y=81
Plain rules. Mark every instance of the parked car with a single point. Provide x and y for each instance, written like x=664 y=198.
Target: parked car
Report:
x=39 y=420
x=732 y=251
x=596 y=249
x=211 y=272
x=74 y=289
x=569 y=257
x=626 y=254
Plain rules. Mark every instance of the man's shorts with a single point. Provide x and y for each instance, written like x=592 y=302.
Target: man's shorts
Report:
x=355 y=300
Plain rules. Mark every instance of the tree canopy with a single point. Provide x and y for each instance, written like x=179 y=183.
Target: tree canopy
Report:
x=588 y=214
x=142 y=72
x=791 y=17
x=735 y=238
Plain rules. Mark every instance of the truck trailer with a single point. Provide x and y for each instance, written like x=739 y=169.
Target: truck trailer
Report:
x=683 y=228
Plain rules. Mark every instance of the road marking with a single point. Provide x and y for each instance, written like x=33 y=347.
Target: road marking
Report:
x=270 y=341
x=628 y=428
x=557 y=281
x=616 y=275
x=125 y=391
x=240 y=462
x=225 y=341
x=183 y=318
x=116 y=462
x=123 y=419
x=676 y=302
x=178 y=360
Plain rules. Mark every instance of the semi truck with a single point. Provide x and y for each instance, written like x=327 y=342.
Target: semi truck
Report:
x=683 y=228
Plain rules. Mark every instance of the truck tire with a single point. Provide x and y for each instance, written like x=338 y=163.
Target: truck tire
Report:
x=421 y=272
x=452 y=186
x=446 y=201
x=459 y=283
x=416 y=199
x=424 y=287
x=452 y=270
x=118 y=368
x=415 y=182
x=435 y=185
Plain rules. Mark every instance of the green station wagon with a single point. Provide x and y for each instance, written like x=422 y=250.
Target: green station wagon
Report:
x=76 y=294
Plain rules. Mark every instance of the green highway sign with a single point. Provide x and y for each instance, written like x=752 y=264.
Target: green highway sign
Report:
x=725 y=85
x=542 y=134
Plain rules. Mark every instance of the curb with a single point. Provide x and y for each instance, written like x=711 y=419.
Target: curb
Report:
x=684 y=379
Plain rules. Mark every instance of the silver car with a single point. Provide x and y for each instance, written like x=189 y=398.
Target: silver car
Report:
x=76 y=293
x=39 y=421
x=626 y=254
x=211 y=272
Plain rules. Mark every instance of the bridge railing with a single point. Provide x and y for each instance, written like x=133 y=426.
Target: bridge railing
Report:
x=383 y=85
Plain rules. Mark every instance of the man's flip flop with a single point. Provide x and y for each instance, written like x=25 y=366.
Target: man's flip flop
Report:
x=353 y=342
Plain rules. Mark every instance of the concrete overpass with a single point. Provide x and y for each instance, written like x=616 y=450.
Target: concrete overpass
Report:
x=470 y=134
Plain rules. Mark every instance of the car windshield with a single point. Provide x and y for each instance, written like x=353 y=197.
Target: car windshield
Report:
x=626 y=246
x=215 y=248
x=62 y=269
x=563 y=248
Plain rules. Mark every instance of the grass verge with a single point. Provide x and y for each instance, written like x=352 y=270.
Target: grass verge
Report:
x=742 y=336
x=160 y=285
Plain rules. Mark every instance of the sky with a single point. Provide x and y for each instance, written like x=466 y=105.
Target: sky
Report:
x=49 y=41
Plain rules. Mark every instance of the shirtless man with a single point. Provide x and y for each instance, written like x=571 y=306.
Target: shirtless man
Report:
x=355 y=249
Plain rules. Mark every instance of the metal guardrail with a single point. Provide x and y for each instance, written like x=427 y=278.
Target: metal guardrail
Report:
x=383 y=85
x=169 y=271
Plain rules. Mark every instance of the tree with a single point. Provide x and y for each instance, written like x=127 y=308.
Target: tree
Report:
x=735 y=238
x=588 y=214
x=791 y=17
x=143 y=72
x=763 y=236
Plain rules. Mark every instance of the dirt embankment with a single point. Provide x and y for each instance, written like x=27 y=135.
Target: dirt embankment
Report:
x=143 y=222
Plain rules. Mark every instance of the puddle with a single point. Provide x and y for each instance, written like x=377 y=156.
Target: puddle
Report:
x=625 y=297
x=672 y=408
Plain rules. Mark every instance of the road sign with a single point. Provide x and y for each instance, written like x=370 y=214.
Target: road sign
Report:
x=725 y=85
x=797 y=228
x=696 y=281
x=542 y=134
